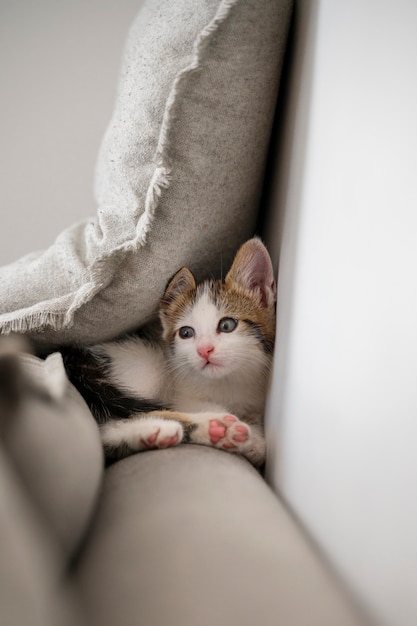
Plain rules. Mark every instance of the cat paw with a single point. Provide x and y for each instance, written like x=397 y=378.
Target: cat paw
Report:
x=229 y=433
x=124 y=437
x=160 y=434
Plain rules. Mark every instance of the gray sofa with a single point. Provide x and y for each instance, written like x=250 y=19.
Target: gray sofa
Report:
x=189 y=536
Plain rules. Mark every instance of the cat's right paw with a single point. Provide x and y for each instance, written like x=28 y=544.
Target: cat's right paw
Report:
x=228 y=432
x=159 y=433
x=123 y=437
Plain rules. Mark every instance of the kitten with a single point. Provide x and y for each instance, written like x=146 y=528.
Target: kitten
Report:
x=197 y=376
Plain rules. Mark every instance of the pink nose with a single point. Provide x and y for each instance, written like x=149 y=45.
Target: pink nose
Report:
x=205 y=351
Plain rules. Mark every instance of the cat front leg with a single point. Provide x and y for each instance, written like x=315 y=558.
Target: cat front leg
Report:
x=164 y=429
x=228 y=432
x=123 y=437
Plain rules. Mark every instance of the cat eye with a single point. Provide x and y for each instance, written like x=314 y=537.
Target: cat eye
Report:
x=226 y=325
x=186 y=332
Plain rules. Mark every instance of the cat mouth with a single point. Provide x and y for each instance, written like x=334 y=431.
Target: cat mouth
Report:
x=209 y=364
x=211 y=367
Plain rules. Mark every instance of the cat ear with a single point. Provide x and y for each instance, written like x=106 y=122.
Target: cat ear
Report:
x=180 y=283
x=252 y=269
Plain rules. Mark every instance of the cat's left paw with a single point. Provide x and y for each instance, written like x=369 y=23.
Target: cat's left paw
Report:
x=229 y=433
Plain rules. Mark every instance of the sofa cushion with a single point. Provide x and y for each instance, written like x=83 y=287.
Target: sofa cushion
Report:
x=50 y=472
x=179 y=173
x=53 y=444
x=32 y=565
x=193 y=535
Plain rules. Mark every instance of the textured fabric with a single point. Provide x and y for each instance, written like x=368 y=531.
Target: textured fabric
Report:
x=53 y=443
x=178 y=177
x=193 y=535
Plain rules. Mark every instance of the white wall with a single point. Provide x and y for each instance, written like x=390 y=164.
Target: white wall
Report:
x=59 y=63
x=342 y=416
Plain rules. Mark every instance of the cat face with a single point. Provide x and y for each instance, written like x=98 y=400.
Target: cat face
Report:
x=215 y=337
x=218 y=329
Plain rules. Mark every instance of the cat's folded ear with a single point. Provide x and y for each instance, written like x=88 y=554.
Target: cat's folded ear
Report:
x=252 y=269
x=182 y=282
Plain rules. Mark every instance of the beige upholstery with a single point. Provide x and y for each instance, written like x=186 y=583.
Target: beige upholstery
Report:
x=193 y=536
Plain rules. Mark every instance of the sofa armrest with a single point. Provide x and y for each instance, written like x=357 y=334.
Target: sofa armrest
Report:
x=193 y=536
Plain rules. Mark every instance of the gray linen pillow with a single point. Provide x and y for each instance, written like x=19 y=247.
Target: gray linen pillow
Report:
x=179 y=173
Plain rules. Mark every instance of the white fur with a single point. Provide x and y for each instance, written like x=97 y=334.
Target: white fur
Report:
x=136 y=432
x=137 y=366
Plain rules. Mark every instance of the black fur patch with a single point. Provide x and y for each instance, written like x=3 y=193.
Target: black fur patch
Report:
x=89 y=375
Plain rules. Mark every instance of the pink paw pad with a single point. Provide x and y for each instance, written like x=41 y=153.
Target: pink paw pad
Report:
x=149 y=442
x=216 y=431
x=229 y=433
x=168 y=441
x=242 y=434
